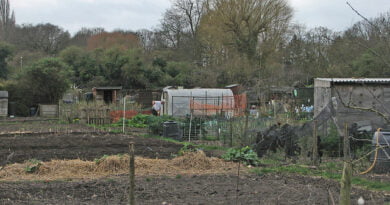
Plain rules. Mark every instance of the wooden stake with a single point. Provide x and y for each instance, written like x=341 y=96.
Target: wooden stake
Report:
x=315 y=145
x=131 y=175
x=345 y=189
x=231 y=131
x=246 y=126
x=331 y=197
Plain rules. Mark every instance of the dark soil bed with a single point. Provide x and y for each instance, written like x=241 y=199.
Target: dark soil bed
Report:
x=85 y=146
x=206 y=189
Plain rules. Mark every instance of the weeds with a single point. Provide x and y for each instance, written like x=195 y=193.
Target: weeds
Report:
x=197 y=146
x=187 y=147
x=33 y=166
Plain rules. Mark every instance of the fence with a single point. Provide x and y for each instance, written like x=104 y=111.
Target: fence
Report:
x=97 y=112
x=232 y=131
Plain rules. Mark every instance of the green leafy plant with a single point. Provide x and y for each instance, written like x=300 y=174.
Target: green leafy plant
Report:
x=139 y=121
x=33 y=165
x=187 y=147
x=245 y=155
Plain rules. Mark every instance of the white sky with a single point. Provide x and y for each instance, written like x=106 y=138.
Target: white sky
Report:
x=146 y=14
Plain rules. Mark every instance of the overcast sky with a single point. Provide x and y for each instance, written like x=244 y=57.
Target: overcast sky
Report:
x=138 y=14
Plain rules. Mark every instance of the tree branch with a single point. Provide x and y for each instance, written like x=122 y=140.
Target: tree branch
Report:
x=383 y=115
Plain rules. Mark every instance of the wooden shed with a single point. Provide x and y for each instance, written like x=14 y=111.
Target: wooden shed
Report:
x=108 y=94
x=48 y=110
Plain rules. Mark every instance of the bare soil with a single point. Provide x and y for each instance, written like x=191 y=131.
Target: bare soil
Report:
x=85 y=146
x=47 y=140
x=194 y=189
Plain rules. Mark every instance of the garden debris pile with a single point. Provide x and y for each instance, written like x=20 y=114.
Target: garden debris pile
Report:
x=284 y=137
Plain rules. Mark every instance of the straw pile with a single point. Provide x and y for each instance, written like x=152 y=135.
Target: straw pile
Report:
x=190 y=163
x=193 y=160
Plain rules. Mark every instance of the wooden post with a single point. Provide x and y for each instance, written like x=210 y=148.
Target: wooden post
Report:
x=131 y=175
x=346 y=144
x=218 y=129
x=231 y=131
x=345 y=189
x=246 y=126
x=315 y=144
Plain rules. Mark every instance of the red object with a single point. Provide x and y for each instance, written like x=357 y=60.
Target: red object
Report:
x=116 y=115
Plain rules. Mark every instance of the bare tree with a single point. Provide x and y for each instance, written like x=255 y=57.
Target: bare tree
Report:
x=172 y=28
x=82 y=36
x=247 y=22
x=7 y=19
x=42 y=37
x=192 y=11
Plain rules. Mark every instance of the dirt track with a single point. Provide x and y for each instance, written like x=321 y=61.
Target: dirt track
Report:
x=204 y=189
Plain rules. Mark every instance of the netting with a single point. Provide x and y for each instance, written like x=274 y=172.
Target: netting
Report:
x=229 y=105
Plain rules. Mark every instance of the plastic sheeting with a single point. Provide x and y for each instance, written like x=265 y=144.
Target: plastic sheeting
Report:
x=180 y=102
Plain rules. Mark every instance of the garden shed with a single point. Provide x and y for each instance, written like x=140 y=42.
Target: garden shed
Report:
x=364 y=102
x=48 y=110
x=199 y=101
x=108 y=94
x=3 y=103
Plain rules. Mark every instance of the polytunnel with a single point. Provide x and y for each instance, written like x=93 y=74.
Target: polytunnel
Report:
x=200 y=101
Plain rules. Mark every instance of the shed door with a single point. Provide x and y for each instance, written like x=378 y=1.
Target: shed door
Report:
x=107 y=96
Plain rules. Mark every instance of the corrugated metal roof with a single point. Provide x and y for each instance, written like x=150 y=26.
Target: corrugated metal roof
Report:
x=356 y=80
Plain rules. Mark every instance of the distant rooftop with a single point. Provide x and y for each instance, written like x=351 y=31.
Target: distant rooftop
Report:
x=355 y=80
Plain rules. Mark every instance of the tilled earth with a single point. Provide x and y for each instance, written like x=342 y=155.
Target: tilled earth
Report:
x=196 y=189
x=85 y=146
x=36 y=124
x=20 y=141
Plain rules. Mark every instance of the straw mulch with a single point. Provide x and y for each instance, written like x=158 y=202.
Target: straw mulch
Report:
x=191 y=163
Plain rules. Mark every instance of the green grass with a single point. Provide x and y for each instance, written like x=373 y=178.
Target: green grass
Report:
x=184 y=143
x=328 y=170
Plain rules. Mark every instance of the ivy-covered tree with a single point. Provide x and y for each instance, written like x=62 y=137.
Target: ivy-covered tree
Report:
x=5 y=53
x=46 y=80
